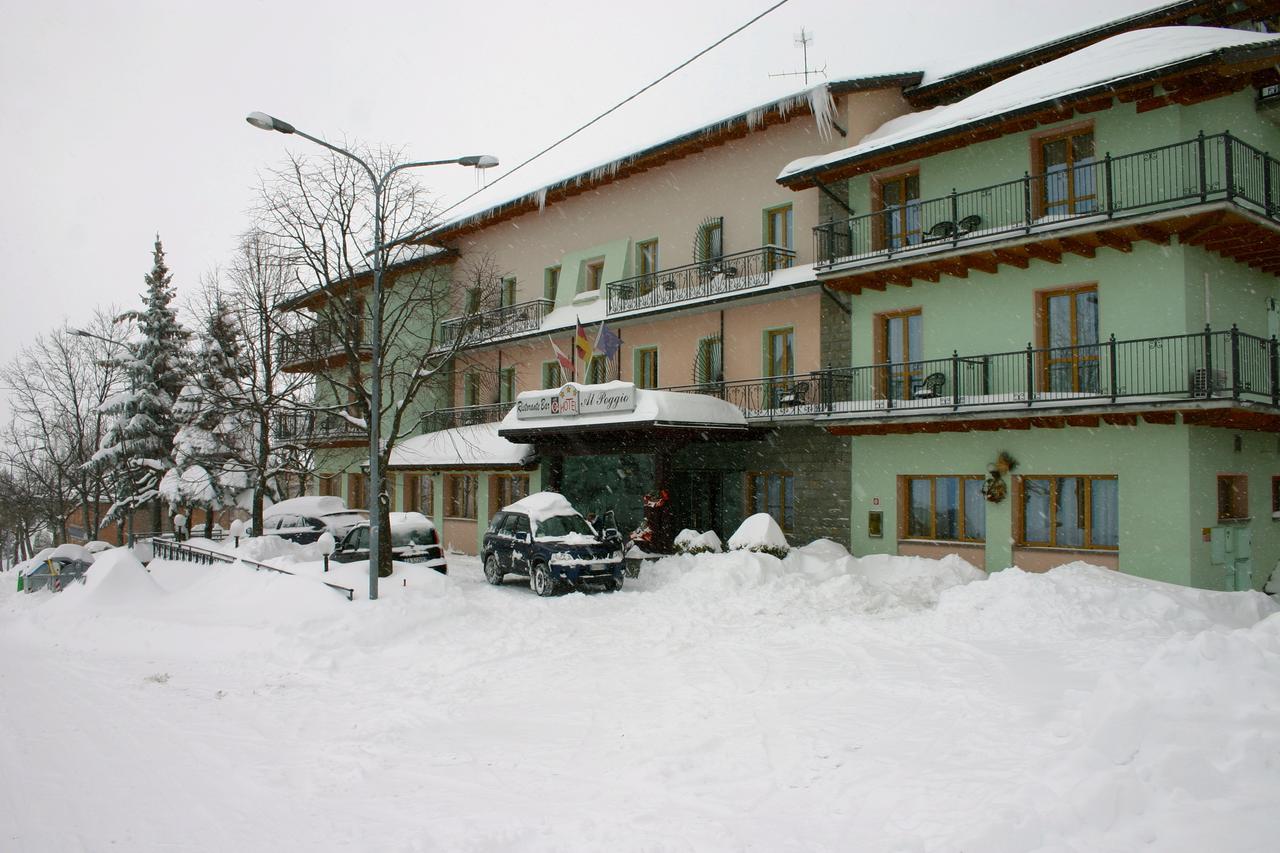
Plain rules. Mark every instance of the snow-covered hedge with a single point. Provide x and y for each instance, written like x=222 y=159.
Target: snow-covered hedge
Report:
x=762 y=534
x=692 y=542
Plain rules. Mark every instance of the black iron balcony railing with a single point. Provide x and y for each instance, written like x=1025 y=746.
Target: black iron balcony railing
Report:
x=461 y=416
x=725 y=274
x=316 y=428
x=1208 y=168
x=1203 y=366
x=318 y=343
x=501 y=322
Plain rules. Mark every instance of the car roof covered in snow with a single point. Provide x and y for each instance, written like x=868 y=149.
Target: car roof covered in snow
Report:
x=312 y=506
x=542 y=505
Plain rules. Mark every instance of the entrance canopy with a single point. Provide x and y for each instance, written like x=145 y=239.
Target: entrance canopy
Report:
x=475 y=446
x=621 y=412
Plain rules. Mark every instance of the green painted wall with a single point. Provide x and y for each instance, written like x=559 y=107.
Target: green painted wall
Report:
x=1151 y=462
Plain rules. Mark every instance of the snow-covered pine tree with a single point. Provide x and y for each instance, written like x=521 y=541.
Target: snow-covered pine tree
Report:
x=139 y=446
x=211 y=435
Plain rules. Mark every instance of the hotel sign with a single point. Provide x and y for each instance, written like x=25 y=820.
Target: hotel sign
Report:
x=573 y=400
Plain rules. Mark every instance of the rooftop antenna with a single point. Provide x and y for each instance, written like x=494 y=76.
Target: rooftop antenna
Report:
x=803 y=39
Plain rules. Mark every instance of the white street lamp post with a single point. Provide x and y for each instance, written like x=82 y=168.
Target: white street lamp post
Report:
x=262 y=121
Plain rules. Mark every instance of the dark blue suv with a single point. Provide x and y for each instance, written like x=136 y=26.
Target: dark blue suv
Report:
x=544 y=537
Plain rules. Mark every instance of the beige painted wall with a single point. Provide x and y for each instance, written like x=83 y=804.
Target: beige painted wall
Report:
x=735 y=180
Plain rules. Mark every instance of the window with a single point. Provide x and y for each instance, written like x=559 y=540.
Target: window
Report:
x=1068 y=334
x=777 y=227
x=942 y=508
x=710 y=365
x=779 y=359
x=471 y=389
x=473 y=301
x=460 y=495
x=710 y=240
x=1069 y=512
x=507 y=385
x=357 y=491
x=1067 y=163
x=1233 y=496
x=506 y=489
x=597 y=371
x=646 y=367
x=550 y=281
x=551 y=374
x=507 y=293
x=328 y=484
x=774 y=493
x=898 y=197
x=899 y=347
x=647 y=257
x=593 y=275
x=419 y=493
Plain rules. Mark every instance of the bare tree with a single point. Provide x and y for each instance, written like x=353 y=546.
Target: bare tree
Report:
x=322 y=212
x=253 y=389
x=60 y=383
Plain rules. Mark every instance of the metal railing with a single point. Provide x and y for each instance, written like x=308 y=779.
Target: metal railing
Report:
x=725 y=274
x=168 y=549
x=315 y=427
x=1175 y=368
x=312 y=344
x=461 y=416
x=1218 y=167
x=495 y=323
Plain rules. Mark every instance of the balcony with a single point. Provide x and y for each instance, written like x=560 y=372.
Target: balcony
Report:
x=318 y=429
x=461 y=416
x=1114 y=199
x=484 y=326
x=1203 y=372
x=312 y=349
x=725 y=274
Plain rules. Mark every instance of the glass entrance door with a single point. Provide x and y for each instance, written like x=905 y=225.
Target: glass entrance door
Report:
x=902 y=335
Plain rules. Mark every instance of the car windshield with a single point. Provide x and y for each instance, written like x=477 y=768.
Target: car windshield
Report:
x=564 y=525
x=418 y=534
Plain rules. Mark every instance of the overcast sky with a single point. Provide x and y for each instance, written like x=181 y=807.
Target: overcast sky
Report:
x=123 y=119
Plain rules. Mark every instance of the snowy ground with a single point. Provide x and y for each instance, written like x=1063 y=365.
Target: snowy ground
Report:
x=717 y=703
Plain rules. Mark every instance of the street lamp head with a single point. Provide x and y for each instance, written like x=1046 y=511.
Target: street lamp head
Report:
x=79 y=333
x=480 y=161
x=262 y=121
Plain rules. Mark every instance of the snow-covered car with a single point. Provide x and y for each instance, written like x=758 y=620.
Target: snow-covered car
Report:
x=544 y=537
x=413 y=540
x=97 y=546
x=55 y=568
x=304 y=519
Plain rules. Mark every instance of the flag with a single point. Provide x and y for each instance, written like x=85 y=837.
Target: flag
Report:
x=566 y=363
x=582 y=345
x=607 y=341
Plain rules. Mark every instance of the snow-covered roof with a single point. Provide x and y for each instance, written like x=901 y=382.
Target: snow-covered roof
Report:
x=652 y=408
x=1106 y=63
x=309 y=505
x=475 y=446
x=817 y=100
x=542 y=505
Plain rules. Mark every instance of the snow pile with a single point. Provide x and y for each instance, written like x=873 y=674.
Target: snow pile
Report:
x=540 y=506
x=312 y=506
x=692 y=542
x=760 y=532
x=262 y=549
x=237 y=594
x=72 y=552
x=115 y=579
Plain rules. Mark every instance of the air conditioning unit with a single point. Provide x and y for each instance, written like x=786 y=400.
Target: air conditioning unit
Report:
x=1201 y=377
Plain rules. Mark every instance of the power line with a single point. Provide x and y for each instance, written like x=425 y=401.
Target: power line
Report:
x=609 y=111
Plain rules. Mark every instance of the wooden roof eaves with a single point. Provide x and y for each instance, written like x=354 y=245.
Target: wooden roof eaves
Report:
x=901 y=152
x=967 y=81
x=313 y=298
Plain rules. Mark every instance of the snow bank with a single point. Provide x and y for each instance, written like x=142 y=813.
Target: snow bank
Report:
x=115 y=579
x=691 y=541
x=236 y=594
x=759 y=532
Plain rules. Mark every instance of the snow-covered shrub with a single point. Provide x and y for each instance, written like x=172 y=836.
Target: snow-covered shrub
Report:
x=692 y=542
x=762 y=534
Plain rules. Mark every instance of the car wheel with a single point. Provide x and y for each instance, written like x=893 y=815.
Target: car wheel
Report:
x=492 y=571
x=541 y=581
x=613 y=584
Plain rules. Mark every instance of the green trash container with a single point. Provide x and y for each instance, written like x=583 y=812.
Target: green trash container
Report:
x=19 y=582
